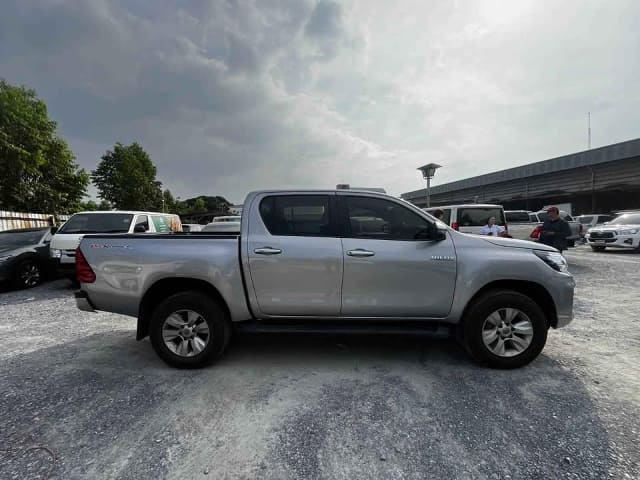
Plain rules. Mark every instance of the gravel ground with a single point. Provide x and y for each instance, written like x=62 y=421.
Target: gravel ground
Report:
x=80 y=398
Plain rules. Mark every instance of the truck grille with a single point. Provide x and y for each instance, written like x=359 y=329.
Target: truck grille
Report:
x=599 y=235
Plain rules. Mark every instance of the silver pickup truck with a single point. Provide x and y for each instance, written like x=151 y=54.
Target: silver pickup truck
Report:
x=329 y=261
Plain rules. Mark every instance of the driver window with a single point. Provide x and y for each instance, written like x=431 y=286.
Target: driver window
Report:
x=381 y=219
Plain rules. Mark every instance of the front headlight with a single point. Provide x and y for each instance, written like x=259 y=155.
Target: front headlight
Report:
x=55 y=253
x=631 y=231
x=554 y=259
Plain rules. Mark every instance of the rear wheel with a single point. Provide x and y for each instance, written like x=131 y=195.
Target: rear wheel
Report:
x=597 y=248
x=28 y=274
x=504 y=329
x=189 y=330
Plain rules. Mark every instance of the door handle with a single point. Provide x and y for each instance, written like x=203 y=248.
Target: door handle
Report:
x=267 y=251
x=360 y=252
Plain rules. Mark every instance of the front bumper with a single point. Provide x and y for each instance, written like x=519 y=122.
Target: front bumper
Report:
x=83 y=302
x=562 y=287
x=618 y=241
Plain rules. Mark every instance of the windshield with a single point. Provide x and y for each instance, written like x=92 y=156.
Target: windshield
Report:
x=97 y=223
x=627 y=219
x=30 y=237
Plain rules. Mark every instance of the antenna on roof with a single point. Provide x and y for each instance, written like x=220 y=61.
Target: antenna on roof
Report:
x=589 y=130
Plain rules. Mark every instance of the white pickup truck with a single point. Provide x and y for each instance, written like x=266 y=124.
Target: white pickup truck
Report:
x=331 y=261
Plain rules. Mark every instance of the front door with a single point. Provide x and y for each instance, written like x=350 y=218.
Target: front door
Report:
x=295 y=256
x=390 y=270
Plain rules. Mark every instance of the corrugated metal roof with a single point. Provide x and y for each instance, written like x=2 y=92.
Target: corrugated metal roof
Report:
x=609 y=153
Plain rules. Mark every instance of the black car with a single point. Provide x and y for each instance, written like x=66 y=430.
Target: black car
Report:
x=24 y=256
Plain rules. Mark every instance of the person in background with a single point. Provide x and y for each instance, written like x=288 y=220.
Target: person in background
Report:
x=492 y=229
x=555 y=230
x=438 y=214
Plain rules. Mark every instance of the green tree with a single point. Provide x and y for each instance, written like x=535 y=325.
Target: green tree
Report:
x=39 y=173
x=170 y=204
x=126 y=178
x=88 y=206
x=104 y=205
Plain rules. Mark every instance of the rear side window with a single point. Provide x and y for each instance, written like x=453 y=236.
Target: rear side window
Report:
x=479 y=216
x=533 y=218
x=517 y=217
x=298 y=215
x=604 y=218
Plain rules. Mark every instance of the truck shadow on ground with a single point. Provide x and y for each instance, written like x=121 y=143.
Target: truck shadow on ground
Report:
x=369 y=407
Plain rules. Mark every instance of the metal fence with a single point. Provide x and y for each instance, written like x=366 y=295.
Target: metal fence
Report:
x=11 y=220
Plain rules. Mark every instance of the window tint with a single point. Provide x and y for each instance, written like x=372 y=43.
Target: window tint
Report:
x=604 y=218
x=517 y=217
x=297 y=215
x=446 y=215
x=533 y=218
x=479 y=216
x=381 y=219
x=585 y=220
x=97 y=223
x=142 y=221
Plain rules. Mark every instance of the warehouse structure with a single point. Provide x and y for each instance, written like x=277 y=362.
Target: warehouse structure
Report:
x=600 y=180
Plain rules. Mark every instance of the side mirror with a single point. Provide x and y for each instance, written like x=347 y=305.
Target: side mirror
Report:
x=139 y=229
x=431 y=232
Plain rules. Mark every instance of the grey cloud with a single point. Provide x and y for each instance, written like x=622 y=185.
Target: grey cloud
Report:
x=230 y=96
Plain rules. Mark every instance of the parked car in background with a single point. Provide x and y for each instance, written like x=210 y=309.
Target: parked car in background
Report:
x=470 y=218
x=192 y=227
x=228 y=223
x=24 y=256
x=331 y=261
x=520 y=224
x=67 y=238
x=593 y=219
x=621 y=232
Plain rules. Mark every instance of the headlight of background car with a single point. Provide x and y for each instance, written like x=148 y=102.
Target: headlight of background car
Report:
x=631 y=231
x=554 y=259
x=55 y=253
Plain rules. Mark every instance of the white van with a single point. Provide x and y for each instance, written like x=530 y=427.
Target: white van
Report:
x=470 y=218
x=229 y=223
x=64 y=243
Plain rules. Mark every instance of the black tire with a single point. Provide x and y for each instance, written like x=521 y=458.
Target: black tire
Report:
x=28 y=274
x=215 y=317
x=491 y=302
x=597 y=248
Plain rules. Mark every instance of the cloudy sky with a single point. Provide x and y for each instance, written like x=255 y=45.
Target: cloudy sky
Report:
x=234 y=95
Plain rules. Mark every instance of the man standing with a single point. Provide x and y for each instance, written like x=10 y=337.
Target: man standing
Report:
x=492 y=229
x=555 y=230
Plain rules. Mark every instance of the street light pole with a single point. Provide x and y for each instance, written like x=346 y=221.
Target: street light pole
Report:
x=428 y=171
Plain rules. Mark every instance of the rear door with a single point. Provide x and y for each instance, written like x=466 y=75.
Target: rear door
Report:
x=295 y=255
x=388 y=272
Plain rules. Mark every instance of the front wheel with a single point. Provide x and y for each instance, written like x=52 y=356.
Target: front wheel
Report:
x=189 y=330
x=504 y=329
x=28 y=274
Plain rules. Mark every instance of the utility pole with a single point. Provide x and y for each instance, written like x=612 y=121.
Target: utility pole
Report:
x=589 y=130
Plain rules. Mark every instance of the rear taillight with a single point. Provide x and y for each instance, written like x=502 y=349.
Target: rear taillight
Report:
x=536 y=232
x=455 y=226
x=84 y=273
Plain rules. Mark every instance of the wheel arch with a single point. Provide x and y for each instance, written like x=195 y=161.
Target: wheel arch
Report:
x=535 y=291
x=170 y=286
